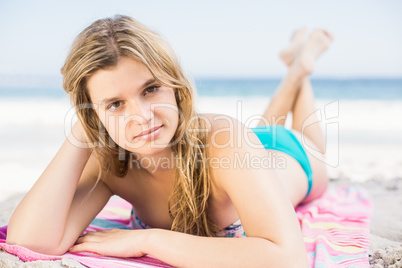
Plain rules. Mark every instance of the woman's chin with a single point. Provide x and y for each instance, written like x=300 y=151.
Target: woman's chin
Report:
x=148 y=149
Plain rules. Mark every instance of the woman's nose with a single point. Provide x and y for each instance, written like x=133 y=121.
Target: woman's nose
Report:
x=140 y=112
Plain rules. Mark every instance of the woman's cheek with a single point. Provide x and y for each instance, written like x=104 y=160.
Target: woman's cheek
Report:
x=110 y=130
x=116 y=136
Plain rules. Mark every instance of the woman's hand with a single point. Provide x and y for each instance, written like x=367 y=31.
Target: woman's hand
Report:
x=114 y=243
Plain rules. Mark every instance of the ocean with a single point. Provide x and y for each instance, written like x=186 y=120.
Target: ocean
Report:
x=352 y=89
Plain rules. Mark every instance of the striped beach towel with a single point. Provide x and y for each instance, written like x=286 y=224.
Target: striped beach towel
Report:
x=335 y=229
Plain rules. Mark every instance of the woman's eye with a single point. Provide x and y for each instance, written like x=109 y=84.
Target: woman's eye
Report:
x=113 y=106
x=151 y=89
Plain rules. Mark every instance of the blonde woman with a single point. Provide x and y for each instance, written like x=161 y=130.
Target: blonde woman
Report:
x=139 y=137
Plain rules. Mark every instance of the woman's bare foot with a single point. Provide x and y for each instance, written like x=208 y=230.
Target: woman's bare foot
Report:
x=317 y=43
x=289 y=54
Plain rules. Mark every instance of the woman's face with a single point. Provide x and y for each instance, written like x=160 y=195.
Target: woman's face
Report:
x=139 y=114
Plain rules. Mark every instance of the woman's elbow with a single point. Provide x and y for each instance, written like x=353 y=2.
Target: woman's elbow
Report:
x=296 y=259
x=37 y=246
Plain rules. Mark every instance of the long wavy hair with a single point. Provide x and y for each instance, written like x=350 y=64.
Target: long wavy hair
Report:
x=100 y=46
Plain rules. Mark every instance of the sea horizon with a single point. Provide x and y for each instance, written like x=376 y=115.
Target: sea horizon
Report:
x=352 y=88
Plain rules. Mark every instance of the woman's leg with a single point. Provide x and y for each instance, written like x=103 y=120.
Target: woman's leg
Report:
x=283 y=100
x=300 y=58
x=303 y=109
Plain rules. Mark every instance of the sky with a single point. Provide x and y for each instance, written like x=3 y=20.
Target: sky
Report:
x=233 y=39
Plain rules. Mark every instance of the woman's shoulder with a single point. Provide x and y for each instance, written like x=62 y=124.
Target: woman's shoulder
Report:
x=225 y=131
x=217 y=121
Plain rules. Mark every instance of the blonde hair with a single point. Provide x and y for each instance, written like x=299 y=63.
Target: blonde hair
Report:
x=100 y=46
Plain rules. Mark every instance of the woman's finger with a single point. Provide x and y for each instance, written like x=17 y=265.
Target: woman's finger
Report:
x=89 y=238
x=87 y=246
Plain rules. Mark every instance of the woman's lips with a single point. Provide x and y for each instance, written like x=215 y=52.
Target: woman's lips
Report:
x=149 y=134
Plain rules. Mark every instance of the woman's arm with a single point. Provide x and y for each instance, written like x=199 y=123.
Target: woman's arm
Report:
x=183 y=250
x=52 y=215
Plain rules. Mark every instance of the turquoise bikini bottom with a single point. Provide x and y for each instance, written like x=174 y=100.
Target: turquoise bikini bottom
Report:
x=276 y=137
